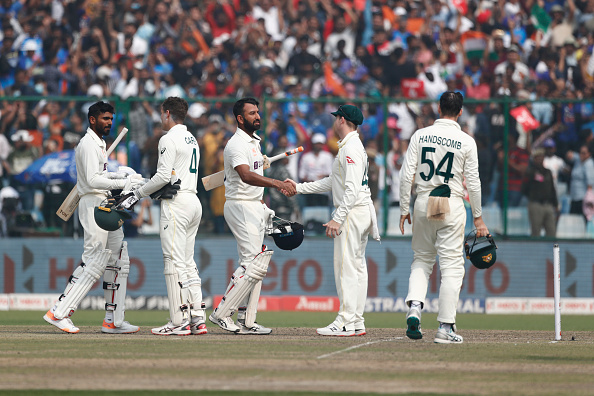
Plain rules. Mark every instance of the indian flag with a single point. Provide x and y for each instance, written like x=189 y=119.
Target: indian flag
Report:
x=474 y=44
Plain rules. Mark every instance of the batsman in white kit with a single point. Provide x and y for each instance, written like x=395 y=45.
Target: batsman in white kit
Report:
x=437 y=160
x=248 y=218
x=105 y=253
x=179 y=156
x=353 y=220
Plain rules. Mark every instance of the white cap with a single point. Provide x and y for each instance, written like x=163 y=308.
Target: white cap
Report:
x=95 y=90
x=318 y=138
x=22 y=134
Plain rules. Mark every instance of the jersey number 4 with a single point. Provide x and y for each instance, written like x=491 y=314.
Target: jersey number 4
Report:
x=447 y=162
x=193 y=162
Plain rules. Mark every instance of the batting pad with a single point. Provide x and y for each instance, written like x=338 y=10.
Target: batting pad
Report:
x=92 y=272
x=176 y=314
x=252 y=306
x=254 y=273
x=115 y=281
x=191 y=293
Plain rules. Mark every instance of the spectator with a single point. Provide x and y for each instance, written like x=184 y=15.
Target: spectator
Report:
x=582 y=177
x=18 y=160
x=539 y=188
x=517 y=163
x=316 y=165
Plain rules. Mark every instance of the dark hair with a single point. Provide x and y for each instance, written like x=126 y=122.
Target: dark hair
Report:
x=450 y=103
x=178 y=108
x=239 y=105
x=99 y=108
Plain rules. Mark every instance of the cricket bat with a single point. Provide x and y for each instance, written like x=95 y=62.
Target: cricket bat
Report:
x=218 y=179
x=70 y=204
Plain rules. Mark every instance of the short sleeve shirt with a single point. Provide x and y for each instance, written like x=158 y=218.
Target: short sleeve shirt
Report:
x=242 y=149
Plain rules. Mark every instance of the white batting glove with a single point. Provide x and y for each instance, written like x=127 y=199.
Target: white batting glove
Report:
x=133 y=182
x=115 y=175
x=268 y=217
x=126 y=170
x=130 y=200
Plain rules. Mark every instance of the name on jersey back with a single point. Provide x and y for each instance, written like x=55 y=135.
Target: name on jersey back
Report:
x=442 y=141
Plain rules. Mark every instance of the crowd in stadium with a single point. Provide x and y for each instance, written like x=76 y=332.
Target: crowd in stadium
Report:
x=537 y=52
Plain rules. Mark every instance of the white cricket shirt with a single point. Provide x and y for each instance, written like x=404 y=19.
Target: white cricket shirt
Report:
x=178 y=149
x=349 y=179
x=242 y=149
x=441 y=154
x=91 y=163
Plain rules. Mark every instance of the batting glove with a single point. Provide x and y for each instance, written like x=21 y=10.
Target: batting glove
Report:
x=268 y=217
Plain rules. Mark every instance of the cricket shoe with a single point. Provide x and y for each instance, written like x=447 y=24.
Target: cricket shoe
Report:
x=125 y=328
x=64 y=324
x=198 y=327
x=413 y=324
x=225 y=323
x=360 y=332
x=255 y=329
x=171 y=329
x=445 y=337
x=333 y=330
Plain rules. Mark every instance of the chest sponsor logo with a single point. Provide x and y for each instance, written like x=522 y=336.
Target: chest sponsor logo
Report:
x=350 y=160
x=163 y=150
x=258 y=164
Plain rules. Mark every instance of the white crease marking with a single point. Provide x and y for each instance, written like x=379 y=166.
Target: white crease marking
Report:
x=358 y=346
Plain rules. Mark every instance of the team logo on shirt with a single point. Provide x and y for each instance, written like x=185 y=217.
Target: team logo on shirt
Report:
x=350 y=160
x=163 y=150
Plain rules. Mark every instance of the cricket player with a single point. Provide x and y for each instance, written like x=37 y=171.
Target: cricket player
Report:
x=104 y=253
x=247 y=216
x=352 y=221
x=437 y=160
x=179 y=156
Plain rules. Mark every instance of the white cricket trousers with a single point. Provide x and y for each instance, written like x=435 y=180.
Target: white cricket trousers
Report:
x=350 y=267
x=445 y=239
x=180 y=218
x=247 y=223
x=93 y=233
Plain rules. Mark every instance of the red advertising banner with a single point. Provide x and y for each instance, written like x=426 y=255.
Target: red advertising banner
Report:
x=412 y=88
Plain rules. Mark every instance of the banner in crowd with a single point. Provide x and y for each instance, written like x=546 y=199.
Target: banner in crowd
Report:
x=523 y=268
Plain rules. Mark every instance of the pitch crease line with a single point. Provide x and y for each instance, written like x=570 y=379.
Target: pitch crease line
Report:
x=357 y=346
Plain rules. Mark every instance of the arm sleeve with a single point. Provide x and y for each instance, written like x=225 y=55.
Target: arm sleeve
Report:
x=93 y=173
x=315 y=187
x=353 y=181
x=473 y=183
x=164 y=168
x=407 y=176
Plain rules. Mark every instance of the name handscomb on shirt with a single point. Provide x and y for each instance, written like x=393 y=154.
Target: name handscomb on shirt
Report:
x=441 y=141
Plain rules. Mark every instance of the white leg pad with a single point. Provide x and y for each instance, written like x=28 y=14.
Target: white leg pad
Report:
x=254 y=273
x=115 y=281
x=174 y=295
x=252 y=306
x=191 y=293
x=76 y=291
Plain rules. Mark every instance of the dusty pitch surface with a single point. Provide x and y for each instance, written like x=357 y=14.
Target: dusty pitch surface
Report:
x=383 y=361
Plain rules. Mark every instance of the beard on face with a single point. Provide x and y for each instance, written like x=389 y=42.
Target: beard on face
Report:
x=251 y=127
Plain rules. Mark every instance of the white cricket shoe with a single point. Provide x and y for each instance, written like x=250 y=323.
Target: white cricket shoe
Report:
x=225 y=323
x=360 y=332
x=443 y=337
x=64 y=324
x=171 y=329
x=125 y=328
x=198 y=326
x=255 y=329
x=413 y=324
x=333 y=330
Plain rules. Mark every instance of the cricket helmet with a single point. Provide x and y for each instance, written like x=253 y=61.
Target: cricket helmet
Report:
x=288 y=235
x=482 y=252
x=108 y=217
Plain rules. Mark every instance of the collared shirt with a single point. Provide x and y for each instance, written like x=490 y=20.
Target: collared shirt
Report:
x=441 y=154
x=91 y=163
x=178 y=150
x=348 y=181
x=242 y=149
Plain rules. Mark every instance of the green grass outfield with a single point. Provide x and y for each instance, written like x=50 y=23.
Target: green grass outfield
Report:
x=501 y=355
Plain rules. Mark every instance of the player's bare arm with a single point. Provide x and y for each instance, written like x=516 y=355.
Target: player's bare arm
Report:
x=404 y=218
x=481 y=227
